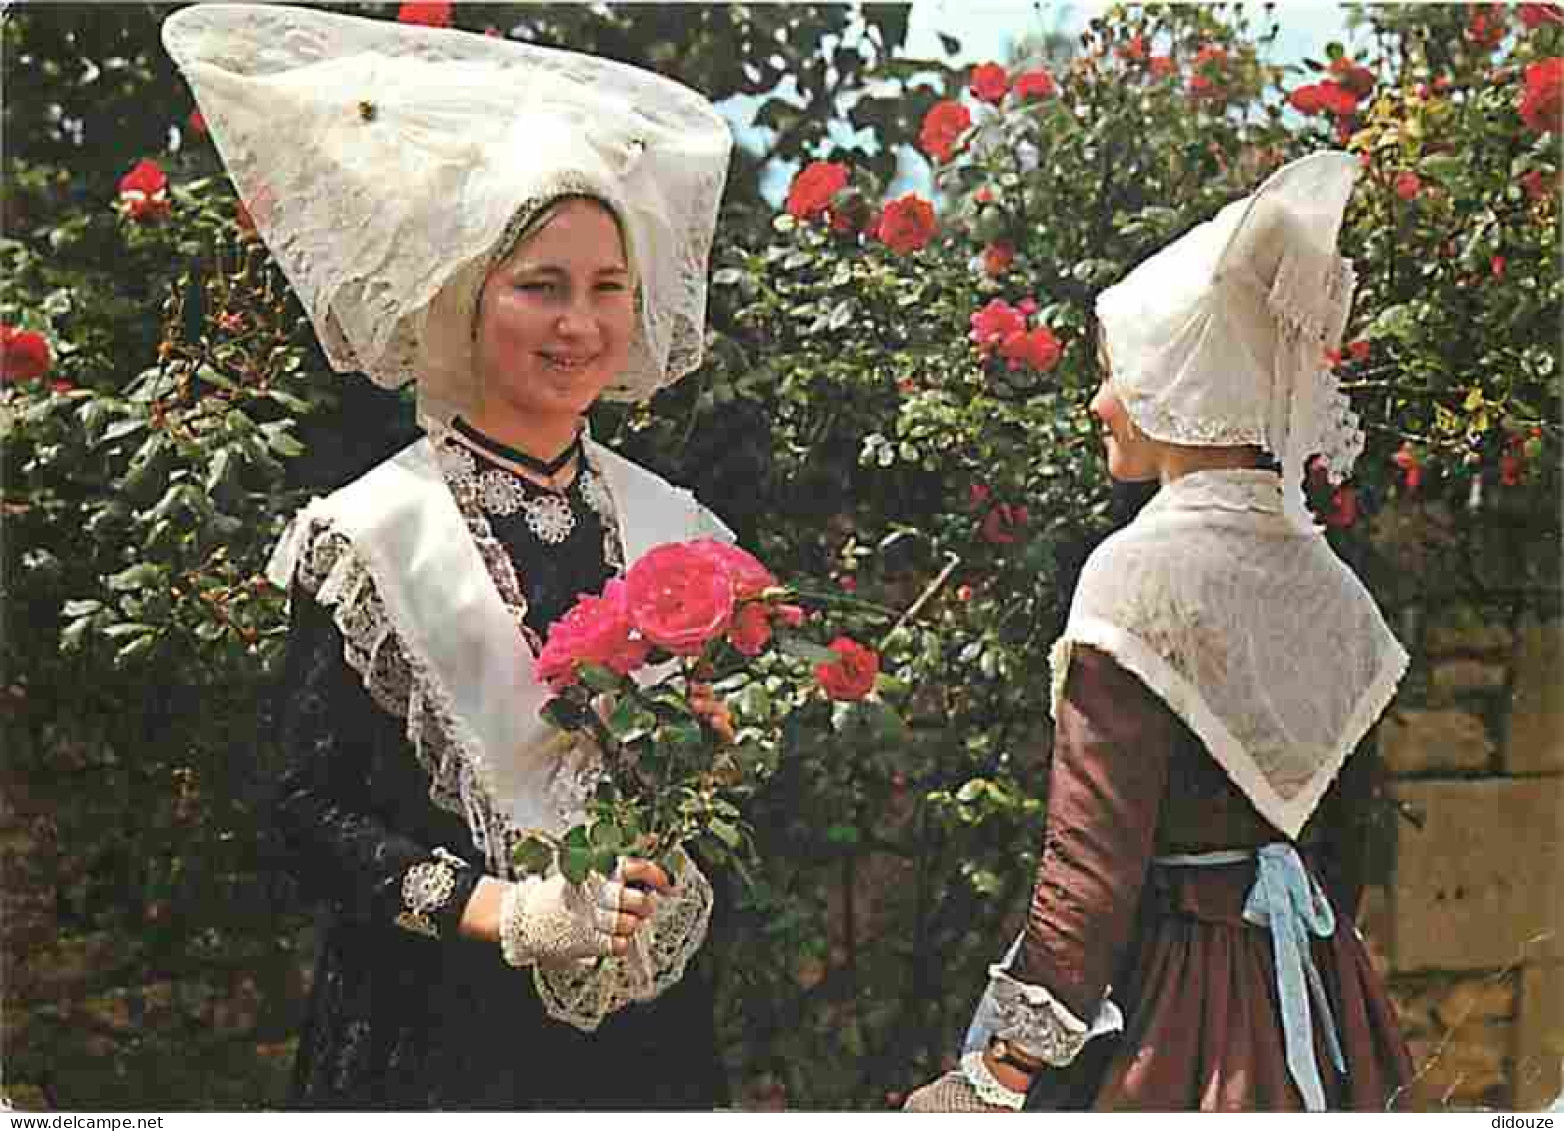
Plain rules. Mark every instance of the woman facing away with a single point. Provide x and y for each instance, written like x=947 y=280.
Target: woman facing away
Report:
x=519 y=231
x=1189 y=943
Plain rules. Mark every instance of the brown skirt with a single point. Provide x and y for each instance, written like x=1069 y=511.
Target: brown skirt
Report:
x=1202 y=1020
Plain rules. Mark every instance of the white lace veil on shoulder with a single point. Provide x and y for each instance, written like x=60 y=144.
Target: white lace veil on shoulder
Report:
x=1221 y=337
x=384 y=164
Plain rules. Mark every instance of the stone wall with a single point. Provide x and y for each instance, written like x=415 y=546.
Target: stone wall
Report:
x=1468 y=918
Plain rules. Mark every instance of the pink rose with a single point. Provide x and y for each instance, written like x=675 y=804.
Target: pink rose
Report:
x=852 y=675
x=994 y=323
x=596 y=630
x=750 y=578
x=1038 y=349
x=679 y=597
x=1408 y=185
x=751 y=629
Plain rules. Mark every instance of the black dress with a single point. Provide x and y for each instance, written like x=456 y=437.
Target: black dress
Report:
x=398 y=1019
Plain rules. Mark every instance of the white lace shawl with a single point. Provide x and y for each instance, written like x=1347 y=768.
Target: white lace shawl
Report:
x=1251 y=630
x=426 y=627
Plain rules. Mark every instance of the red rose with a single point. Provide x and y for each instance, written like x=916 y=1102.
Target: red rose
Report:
x=1542 y=104
x=852 y=675
x=1496 y=266
x=24 y=355
x=1343 y=508
x=426 y=15
x=595 y=630
x=994 y=323
x=942 y=128
x=1338 y=100
x=1485 y=28
x=143 y=192
x=1308 y=99
x=1038 y=349
x=1411 y=470
x=1408 y=185
x=997 y=258
x=749 y=577
x=906 y=224
x=1358 y=349
x=814 y=187
x=789 y=616
x=1535 y=182
x=977 y=495
x=963 y=593
x=1535 y=16
x=848 y=583
x=196 y=123
x=989 y=82
x=679 y=598
x=1212 y=54
x=1359 y=80
x=1511 y=469
x=1003 y=524
x=1034 y=85
x=751 y=628
x=1201 y=87
x=1162 y=66
x=1133 y=50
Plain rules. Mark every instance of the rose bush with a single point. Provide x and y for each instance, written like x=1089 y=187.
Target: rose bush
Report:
x=847 y=422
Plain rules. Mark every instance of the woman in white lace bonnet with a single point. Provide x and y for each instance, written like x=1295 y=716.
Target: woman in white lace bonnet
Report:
x=1189 y=942
x=519 y=231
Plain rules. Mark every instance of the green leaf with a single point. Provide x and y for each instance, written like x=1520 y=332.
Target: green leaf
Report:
x=143 y=575
x=726 y=833
x=576 y=863
x=81 y=608
x=801 y=647
x=843 y=834
x=600 y=678
x=629 y=720
x=532 y=856
x=605 y=836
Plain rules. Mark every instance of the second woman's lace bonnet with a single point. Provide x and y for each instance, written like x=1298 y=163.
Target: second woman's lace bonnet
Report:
x=1221 y=338
x=385 y=163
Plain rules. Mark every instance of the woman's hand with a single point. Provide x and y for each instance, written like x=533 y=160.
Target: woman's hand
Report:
x=554 y=920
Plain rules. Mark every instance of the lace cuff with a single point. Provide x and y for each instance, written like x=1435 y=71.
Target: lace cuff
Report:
x=987 y=1086
x=427 y=888
x=1036 y=1022
x=583 y=995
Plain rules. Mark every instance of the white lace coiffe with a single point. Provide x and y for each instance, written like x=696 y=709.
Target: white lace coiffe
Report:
x=1251 y=630
x=385 y=165
x=1221 y=337
x=426 y=623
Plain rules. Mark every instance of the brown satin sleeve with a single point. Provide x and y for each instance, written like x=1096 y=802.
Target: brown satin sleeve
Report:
x=1113 y=741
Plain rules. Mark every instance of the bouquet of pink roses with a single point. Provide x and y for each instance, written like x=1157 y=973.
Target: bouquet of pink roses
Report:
x=642 y=668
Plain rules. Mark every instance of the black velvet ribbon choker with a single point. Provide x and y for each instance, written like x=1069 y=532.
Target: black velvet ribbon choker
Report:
x=547 y=468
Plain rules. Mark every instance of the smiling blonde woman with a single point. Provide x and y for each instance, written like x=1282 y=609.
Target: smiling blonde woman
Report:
x=519 y=231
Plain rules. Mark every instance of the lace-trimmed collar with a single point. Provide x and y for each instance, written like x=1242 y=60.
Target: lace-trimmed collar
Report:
x=1250 y=490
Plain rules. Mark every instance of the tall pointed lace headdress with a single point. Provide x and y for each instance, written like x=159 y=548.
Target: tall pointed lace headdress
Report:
x=384 y=164
x=1221 y=337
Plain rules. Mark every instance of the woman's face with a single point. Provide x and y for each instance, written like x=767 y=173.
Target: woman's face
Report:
x=1132 y=456
x=556 y=317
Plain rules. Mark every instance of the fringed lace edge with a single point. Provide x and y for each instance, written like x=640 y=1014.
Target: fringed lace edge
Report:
x=582 y=996
x=1185 y=701
x=403 y=684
